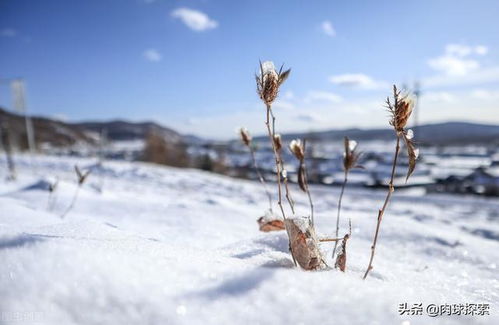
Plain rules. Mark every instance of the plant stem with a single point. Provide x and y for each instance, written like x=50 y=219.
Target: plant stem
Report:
x=307 y=188
x=260 y=177
x=286 y=187
x=278 y=162
x=288 y=195
x=271 y=132
x=391 y=189
x=330 y=239
x=309 y=197
x=339 y=210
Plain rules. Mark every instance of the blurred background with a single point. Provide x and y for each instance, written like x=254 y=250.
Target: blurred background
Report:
x=170 y=82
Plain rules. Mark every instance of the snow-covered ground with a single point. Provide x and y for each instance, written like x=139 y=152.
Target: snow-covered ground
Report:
x=168 y=246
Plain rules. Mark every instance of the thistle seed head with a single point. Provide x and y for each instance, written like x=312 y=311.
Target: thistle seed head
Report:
x=277 y=142
x=268 y=81
x=350 y=156
x=402 y=111
x=245 y=136
x=296 y=147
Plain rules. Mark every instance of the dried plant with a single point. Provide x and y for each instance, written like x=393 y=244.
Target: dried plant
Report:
x=350 y=160
x=81 y=178
x=297 y=148
x=267 y=84
x=303 y=243
x=247 y=141
x=6 y=143
x=341 y=260
x=400 y=111
x=52 y=198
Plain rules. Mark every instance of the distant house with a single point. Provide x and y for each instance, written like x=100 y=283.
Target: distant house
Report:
x=484 y=180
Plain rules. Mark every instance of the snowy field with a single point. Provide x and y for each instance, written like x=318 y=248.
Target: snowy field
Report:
x=153 y=245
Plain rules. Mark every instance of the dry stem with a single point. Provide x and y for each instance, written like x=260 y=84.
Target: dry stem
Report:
x=271 y=132
x=339 y=210
x=382 y=210
x=278 y=161
x=281 y=163
x=308 y=189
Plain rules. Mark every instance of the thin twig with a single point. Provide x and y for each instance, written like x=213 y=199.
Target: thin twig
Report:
x=330 y=239
x=290 y=200
x=307 y=188
x=271 y=132
x=339 y=210
x=391 y=189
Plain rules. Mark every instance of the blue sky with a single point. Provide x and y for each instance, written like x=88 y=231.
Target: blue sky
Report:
x=190 y=64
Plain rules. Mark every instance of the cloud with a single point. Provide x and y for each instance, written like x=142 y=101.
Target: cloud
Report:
x=8 y=32
x=357 y=80
x=461 y=50
x=478 y=76
x=456 y=59
x=328 y=29
x=307 y=117
x=194 y=19
x=288 y=95
x=438 y=96
x=485 y=94
x=453 y=66
x=152 y=55
x=326 y=96
x=283 y=104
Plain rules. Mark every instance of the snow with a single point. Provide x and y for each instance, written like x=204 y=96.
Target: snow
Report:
x=147 y=244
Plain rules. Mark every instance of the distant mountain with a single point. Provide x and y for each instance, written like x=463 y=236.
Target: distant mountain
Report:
x=56 y=133
x=124 y=130
x=60 y=134
x=448 y=133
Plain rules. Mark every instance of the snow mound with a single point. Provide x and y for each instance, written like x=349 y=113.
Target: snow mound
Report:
x=169 y=246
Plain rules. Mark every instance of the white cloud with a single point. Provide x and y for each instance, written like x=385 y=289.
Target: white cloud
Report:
x=194 y=19
x=288 y=95
x=453 y=66
x=152 y=55
x=485 y=94
x=357 y=80
x=455 y=61
x=283 y=104
x=326 y=96
x=462 y=50
x=481 y=50
x=328 y=29
x=438 y=96
x=478 y=76
x=8 y=32
x=308 y=117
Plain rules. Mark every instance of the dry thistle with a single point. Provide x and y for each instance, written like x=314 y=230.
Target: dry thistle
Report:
x=277 y=142
x=267 y=84
x=245 y=136
x=401 y=110
x=269 y=81
x=296 y=147
x=246 y=139
x=350 y=159
x=82 y=177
